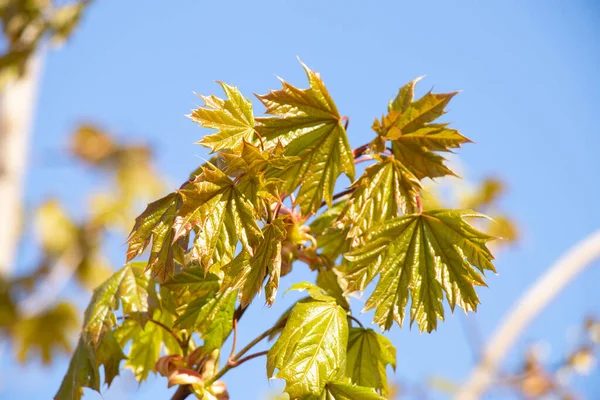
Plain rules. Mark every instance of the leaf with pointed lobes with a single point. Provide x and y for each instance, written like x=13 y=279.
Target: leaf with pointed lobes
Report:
x=223 y=215
x=421 y=256
x=415 y=138
x=84 y=367
x=232 y=118
x=210 y=315
x=156 y=225
x=311 y=349
x=342 y=390
x=138 y=292
x=369 y=354
x=386 y=190
x=247 y=272
x=309 y=126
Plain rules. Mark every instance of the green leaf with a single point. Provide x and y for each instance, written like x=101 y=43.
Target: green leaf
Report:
x=84 y=367
x=331 y=234
x=222 y=213
x=109 y=354
x=369 y=353
x=232 y=118
x=82 y=372
x=247 y=272
x=211 y=315
x=310 y=127
x=192 y=283
x=46 y=332
x=311 y=350
x=314 y=291
x=415 y=139
x=424 y=255
x=380 y=194
x=156 y=224
x=136 y=289
x=146 y=343
x=405 y=96
x=329 y=280
x=99 y=316
x=346 y=391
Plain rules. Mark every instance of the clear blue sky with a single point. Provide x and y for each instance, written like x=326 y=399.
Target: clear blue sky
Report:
x=529 y=71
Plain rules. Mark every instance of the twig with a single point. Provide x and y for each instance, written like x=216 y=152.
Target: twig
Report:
x=235 y=322
x=360 y=150
x=346 y=121
x=338 y=195
x=182 y=392
x=250 y=357
x=525 y=309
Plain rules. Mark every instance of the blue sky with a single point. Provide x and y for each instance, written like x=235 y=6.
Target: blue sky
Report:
x=529 y=72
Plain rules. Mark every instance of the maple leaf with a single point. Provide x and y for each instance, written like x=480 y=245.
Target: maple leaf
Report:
x=222 y=213
x=136 y=291
x=384 y=189
x=311 y=349
x=156 y=224
x=310 y=127
x=369 y=353
x=232 y=118
x=415 y=139
x=422 y=255
x=209 y=314
x=147 y=343
x=340 y=390
x=331 y=234
x=247 y=272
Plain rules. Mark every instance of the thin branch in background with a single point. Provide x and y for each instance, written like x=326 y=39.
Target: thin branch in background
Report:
x=564 y=270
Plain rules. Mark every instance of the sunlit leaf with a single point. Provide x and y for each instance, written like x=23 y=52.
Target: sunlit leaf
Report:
x=369 y=354
x=311 y=350
x=310 y=127
x=422 y=255
x=247 y=272
x=232 y=118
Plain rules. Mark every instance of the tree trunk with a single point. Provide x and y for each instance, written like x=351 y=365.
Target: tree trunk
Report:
x=17 y=104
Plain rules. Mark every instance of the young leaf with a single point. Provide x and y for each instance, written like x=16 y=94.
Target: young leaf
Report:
x=99 y=316
x=211 y=315
x=331 y=234
x=136 y=289
x=380 y=193
x=311 y=350
x=146 y=343
x=329 y=280
x=84 y=367
x=421 y=254
x=156 y=224
x=223 y=215
x=369 y=353
x=309 y=125
x=82 y=372
x=414 y=137
x=247 y=272
x=340 y=390
x=232 y=118
x=193 y=282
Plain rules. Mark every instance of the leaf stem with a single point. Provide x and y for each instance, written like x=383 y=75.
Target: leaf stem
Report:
x=235 y=323
x=360 y=150
x=353 y=318
x=181 y=344
x=231 y=365
x=346 y=121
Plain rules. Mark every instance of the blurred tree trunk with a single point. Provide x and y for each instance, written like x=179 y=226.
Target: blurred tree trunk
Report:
x=17 y=105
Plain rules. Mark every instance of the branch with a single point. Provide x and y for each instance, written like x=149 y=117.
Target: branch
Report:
x=564 y=270
x=182 y=392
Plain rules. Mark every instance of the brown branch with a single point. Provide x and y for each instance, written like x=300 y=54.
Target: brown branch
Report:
x=360 y=150
x=248 y=358
x=182 y=392
x=346 y=121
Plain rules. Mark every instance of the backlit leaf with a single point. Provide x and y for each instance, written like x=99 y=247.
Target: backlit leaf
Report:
x=422 y=255
x=310 y=127
x=156 y=224
x=232 y=118
x=247 y=272
x=345 y=391
x=381 y=193
x=222 y=213
x=311 y=350
x=369 y=354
